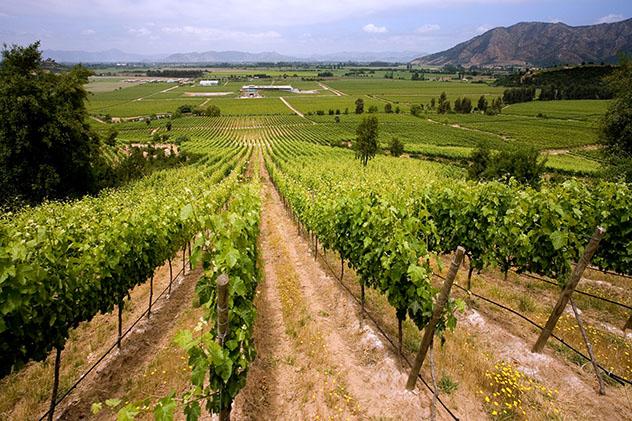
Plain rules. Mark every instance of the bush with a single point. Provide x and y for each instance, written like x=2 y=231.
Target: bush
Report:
x=396 y=147
x=522 y=164
x=213 y=111
x=388 y=108
x=373 y=109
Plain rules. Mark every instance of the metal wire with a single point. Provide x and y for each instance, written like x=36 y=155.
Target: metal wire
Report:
x=612 y=375
x=114 y=346
x=395 y=347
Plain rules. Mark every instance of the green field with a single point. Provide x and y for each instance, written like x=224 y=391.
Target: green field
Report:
x=565 y=127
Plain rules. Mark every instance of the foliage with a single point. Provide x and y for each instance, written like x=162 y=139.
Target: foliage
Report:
x=515 y=95
x=213 y=111
x=616 y=126
x=47 y=149
x=63 y=263
x=366 y=145
x=521 y=164
x=396 y=147
x=359 y=106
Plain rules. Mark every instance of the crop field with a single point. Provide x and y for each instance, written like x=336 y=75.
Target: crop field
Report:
x=398 y=88
x=268 y=198
x=591 y=109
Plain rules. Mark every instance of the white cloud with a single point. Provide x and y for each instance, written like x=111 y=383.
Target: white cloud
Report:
x=141 y=32
x=88 y=32
x=483 y=28
x=612 y=17
x=374 y=29
x=429 y=27
x=215 y=34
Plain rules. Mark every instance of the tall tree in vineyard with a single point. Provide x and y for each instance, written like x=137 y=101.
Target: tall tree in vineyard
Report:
x=616 y=126
x=46 y=147
x=366 y=145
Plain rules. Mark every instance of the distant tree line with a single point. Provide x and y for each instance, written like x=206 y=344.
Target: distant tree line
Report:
x=176 y=73
x=516 y=95
x=580 y=82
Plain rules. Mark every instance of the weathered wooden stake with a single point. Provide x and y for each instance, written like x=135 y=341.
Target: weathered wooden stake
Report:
x=469 y=274
x=170 y=277
x=362 y=295
x=602 y=389
x=399 y=332
x=120 y=324
x=222 y=327
x=190 y=263
x=435 y=389
x=568 y=289
x=436 y=316
x=342 y=268
x=184 y=257
x=151 y=294
x=53 y=397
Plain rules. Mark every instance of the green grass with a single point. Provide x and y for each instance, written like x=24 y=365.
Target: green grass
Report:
x=585 y=109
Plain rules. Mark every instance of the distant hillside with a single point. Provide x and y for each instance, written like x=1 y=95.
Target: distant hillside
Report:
x=227 y=57
x=538 y=44
x=109 y=56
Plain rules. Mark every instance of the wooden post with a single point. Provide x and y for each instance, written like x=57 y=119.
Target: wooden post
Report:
x=222 y=327
x=190 y=263
x=184 y=257
x=362 y=295
x=151 y=294
x=53 y=397
x=602 y=390
x=170 y=277
x=469 y=274
x=435 y=389
x=568 y=289
x=120 y=323
x=436 y=316
x=342 y=270
x=399 y=331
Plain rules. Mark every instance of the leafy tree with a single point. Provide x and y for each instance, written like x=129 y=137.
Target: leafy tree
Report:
x=47 y=149
x=482 y=103
x=396 y=147
x=432 y=103
x=416 y=109
x=521 y=164
x=359 y=106
x=397 y=110
x=213 y=111
x=168 y=126
x=457 y=105
x=616 y=125
x=388 y=108
x=110 y=138
x=366 y=145
x=466 y=105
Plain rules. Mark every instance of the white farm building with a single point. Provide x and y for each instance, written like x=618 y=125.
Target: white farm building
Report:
x=209 y=82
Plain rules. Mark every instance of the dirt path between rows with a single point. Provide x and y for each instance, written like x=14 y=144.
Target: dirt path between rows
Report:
x=332 y=90
x=138 y=348
x=315 y=356
x=295 y=111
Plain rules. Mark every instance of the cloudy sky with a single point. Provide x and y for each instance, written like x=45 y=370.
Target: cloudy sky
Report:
x=287 y=26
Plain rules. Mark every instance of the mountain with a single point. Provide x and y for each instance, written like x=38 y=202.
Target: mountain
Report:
x=538 y=44
x=366 y=56
x=227 y=57
x=108 y=56
x=233 y=57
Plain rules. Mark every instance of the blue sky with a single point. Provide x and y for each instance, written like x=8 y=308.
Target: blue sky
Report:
x=290 y=26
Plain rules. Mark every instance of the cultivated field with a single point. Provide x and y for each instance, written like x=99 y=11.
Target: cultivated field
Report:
x=333 y=267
